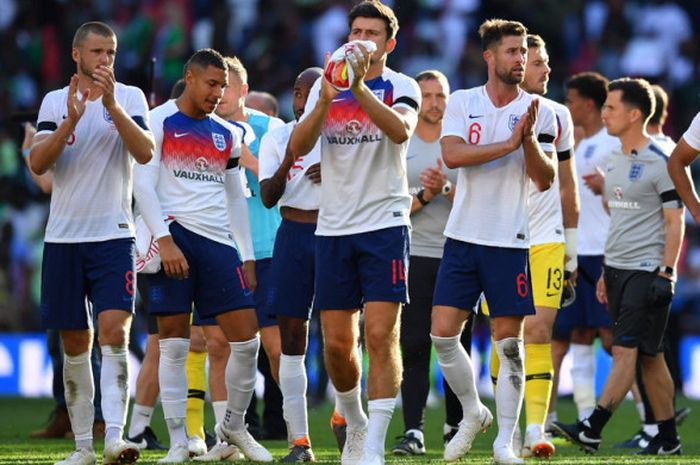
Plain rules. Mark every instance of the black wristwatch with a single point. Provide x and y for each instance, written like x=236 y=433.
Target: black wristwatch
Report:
x=668 y=270
x=420 y=198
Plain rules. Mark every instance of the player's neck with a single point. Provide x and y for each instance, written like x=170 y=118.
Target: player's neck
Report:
x=239 y=115
x=633 y=140
x=375 y=70
x=428 y=132
x=500 y=93
x=188 y=109
x=593 y=125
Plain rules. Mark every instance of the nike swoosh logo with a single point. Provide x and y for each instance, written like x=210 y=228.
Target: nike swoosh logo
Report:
x=139 y=445
x=663 y=451
x=551 y=294
x=474 y=116
x=182 y=134
x=586 y=440
x=336 y=100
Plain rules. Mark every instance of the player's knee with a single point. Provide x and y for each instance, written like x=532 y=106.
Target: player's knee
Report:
x=381 y=339
x=218 y=350
x=76 y=342
x=113 y=335
x=338 y=348
x=537 y=334
x=624 y=354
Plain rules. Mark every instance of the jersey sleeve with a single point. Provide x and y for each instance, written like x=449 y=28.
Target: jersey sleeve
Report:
x=269 y=156
x=49 y=114
x=691 y=135
x=406 y=93
x=664 y=186
x=236 y=143
x=137 y=107
x=156 y=117
x=546 y=128
x=565 y=126
x=454 y=121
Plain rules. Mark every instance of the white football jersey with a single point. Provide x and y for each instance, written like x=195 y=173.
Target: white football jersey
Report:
x=546 y=220
x=300 y=192
x=193 y=156
x=593 y=221
x=364 y=186
x=490 y=205
x=92 y=188
x=692 y=134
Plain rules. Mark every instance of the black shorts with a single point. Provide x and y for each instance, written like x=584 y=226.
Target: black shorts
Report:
x=635 y=324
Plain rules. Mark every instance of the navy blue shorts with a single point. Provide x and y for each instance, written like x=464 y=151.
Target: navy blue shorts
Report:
x=358 y=268
x=80 y=278
x=501 y=273
x=291 y=289
x=586 y=311
x=215 y=283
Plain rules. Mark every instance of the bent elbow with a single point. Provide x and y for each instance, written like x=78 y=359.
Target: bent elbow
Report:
x=449 y=161
x=36 y=167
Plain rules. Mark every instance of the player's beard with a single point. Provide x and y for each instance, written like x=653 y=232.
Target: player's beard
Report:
x=431 y=119
x=84 y=69
x=509 y=77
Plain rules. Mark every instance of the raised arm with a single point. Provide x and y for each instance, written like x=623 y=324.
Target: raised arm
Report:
x=47 y=148
x=133 y=131
x=539 y=164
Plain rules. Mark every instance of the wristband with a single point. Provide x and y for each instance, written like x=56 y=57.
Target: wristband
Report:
x=25 y=152
x=420 y=198
x=570 y=235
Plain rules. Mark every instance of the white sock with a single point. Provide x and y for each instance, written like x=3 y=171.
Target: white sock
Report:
x=80 y=393
x=338 y=408
x=510 y=388
x=351 y=406
x=551 y=418
x=241 y=372
x=652 y=429
x=114 y=382
x=172 y=377
x=457 y=369
x=380 y=413
x=641 y=411
x=293 y=385
x=583 y=378
x=219 y=407
x=140 y=418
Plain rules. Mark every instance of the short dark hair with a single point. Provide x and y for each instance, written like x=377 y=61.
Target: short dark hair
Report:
x=495 y=29
x=178 y=88
x=590 y=85
x=636 y=93
x=95 y=27
x=433 y=74
x=535 y=41
x=661 y=100
x=375 y=9
x=204 y=58
x=236 y=67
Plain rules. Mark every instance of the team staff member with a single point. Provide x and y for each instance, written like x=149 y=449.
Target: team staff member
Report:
x=641 y=252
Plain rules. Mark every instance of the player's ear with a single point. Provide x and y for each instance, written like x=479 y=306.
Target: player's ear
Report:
x=75 y=54
x=390 y=45
x=244 y=89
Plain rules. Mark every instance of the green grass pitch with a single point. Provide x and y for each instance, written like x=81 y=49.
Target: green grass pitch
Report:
x=20 y=416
